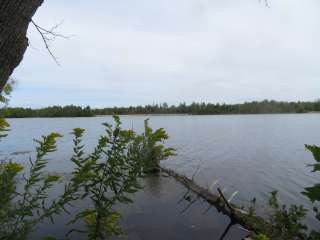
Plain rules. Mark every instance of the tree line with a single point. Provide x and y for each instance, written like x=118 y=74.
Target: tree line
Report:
x=255 y=107
x=54 y=111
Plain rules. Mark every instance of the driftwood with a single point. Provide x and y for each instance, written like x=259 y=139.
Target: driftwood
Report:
x=237 y=215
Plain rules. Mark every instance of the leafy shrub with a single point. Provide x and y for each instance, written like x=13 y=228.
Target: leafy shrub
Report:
x=313 y=193
x=286 y=222
x=105 y=177
x=153 y=151
x=21 y=211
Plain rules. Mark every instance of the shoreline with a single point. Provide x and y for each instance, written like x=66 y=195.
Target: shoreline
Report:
x=169 y=114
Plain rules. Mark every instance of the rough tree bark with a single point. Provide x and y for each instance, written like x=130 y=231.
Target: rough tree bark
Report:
x=15 y=16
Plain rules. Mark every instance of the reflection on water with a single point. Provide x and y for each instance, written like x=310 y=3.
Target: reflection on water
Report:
x=158 y=213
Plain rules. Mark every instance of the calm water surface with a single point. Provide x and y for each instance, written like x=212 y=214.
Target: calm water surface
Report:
x=252 y=154
x=159 y=212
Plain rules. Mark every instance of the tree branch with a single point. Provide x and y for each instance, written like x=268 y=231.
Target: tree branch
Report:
x=48 y=36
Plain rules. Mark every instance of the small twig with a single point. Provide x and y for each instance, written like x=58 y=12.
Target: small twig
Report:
x=244 y=229
x=188 y=206
x=213 y=184
x=226 y=201
x=52 y=30
x=49 y=35
x=224 y=234
x=232 y=196
x=184 y=196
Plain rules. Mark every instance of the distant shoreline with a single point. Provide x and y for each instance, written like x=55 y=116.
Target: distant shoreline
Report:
x=190 y=114
x=248 y=108
x=171 y=114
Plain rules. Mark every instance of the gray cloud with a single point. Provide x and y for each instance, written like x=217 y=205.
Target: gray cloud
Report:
x=139 y=52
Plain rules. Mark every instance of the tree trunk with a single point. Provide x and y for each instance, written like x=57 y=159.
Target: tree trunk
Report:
x=15 y=16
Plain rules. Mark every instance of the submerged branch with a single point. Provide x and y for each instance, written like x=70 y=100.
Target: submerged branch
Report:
x=250 y=223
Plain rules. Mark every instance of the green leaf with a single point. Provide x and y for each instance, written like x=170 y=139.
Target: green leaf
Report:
x=4 y=127
x=313 y=193
x=273 y=201
x=13 y=167
x=78 y=132
x=316 y=167
x=315 y=150
x=52 y=178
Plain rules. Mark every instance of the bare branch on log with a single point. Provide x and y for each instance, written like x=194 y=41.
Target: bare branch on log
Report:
x=232 y=210
x=213 y=184
x=238 y=215
x=232 y=196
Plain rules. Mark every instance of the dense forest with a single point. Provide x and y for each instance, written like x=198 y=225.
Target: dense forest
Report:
x=54 y=111
x=265 y=106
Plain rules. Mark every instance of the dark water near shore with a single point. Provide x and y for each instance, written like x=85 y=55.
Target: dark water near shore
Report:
x=159 y=212
x=251 y=154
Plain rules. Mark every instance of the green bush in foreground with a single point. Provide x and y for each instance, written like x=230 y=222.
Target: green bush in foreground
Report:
x=106 y=177
x=286 y=221
x=313 y=193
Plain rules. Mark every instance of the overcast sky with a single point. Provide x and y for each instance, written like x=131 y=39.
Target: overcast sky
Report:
x=132 y=52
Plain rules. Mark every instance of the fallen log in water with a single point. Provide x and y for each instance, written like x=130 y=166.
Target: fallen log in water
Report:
x=251 y=222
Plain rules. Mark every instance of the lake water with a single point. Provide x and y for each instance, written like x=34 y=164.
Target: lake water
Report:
x=251 y=154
